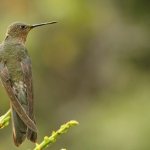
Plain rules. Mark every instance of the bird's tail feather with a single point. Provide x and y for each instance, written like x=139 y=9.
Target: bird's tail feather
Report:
x=19 y=129
x=31 y=135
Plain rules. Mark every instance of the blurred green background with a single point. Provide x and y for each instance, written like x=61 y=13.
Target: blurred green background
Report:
x=93 y=66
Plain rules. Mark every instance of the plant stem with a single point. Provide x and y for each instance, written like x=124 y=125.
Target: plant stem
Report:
x=4 y=120
x=51 y=139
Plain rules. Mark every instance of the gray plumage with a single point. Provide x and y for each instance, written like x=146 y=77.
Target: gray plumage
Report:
x=16 y=77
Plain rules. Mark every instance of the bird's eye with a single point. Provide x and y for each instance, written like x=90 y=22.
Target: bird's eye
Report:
x=22 y=27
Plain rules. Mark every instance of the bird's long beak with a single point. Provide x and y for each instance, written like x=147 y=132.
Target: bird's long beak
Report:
x=42 y=24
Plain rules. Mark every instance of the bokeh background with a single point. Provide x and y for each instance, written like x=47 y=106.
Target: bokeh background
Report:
x=92 y=66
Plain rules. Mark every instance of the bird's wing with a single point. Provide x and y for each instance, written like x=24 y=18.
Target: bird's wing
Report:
x=7 y=83
x=27 y=77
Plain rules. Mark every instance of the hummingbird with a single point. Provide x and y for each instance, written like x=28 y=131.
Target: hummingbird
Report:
x=16 y=77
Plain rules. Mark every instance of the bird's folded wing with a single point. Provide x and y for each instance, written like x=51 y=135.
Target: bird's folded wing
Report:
x=5 y=78
x=27 y=73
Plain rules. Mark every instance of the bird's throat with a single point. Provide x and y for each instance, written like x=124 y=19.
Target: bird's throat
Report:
x=15 y=40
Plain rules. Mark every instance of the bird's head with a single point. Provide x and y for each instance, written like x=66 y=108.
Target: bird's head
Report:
x=18 y=31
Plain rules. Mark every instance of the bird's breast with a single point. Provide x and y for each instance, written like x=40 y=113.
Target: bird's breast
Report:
x=14 y=68
x=12 y=55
